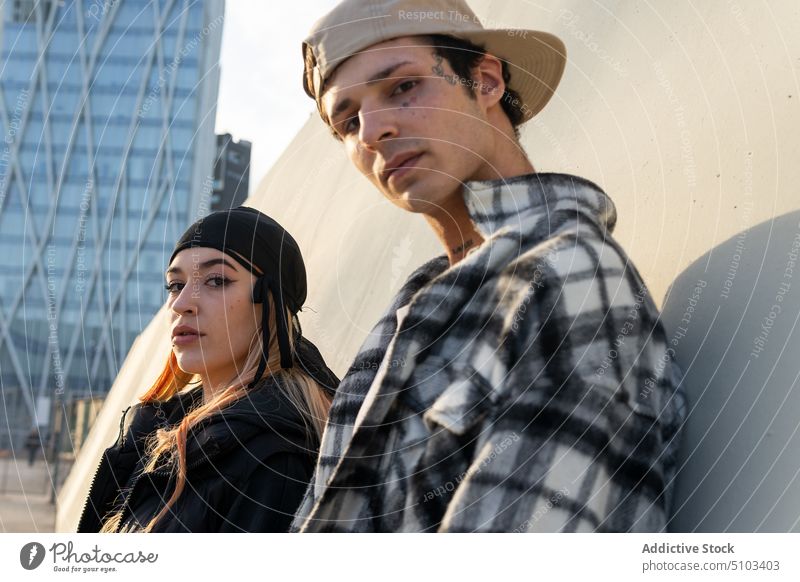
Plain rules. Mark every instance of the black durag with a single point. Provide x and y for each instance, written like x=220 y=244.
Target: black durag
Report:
x=259 y=243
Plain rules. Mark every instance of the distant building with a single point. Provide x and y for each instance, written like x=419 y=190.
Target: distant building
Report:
x=231 y=172
x=108 y=144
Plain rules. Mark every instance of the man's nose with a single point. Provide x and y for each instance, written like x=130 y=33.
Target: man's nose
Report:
x=377 y=124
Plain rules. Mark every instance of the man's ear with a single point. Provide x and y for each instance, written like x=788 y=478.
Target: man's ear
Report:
x=489 y=84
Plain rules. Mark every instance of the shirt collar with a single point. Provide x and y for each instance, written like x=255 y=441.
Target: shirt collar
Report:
x=519 y=202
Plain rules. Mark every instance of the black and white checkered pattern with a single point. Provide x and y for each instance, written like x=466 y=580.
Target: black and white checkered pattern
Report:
x=528 y=388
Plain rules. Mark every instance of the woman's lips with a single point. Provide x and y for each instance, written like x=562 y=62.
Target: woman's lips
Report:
x=185 y=339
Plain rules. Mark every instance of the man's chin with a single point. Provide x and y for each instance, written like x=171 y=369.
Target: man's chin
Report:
x=411 y=202
x=421 y=198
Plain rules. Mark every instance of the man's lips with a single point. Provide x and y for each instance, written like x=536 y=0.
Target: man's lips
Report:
x=399 y=166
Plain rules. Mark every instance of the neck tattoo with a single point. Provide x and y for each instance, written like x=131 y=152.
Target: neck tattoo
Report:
x=460 y=249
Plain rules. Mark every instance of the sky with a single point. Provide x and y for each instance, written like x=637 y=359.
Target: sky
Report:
x=261 y=98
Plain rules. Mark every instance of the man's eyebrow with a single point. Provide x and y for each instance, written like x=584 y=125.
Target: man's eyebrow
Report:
x=381 y=75
x=204 y=265
x=341 y=106
x=376 y=78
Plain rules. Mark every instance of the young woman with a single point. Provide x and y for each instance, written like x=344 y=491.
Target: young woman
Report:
x=236 y=452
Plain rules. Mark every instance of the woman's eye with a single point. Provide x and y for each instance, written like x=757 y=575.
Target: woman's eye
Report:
x=404 y=87
x=217 y=281
x=173 y=287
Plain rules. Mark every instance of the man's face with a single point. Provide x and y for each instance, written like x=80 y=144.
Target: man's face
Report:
x=408 y=123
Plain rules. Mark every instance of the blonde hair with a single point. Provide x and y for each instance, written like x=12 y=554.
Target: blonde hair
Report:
x=302 y=391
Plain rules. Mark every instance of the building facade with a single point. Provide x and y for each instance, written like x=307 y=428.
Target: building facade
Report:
x=107 y=112
x=231 y=172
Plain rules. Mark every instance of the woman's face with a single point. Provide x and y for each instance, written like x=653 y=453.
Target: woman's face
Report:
x=213 y=317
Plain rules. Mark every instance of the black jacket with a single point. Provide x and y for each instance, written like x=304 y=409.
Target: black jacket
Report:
x=247 y=467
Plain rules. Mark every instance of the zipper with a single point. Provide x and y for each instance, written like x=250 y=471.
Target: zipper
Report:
x=99 y=466
x=126 y=507
x=89 y=496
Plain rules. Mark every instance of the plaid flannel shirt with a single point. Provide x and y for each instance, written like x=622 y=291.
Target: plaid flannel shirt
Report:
x=529 y=387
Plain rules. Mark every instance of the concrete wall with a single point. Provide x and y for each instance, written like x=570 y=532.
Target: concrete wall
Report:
x=687 y=115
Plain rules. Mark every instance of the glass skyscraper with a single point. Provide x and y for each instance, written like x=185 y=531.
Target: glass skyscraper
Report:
x=107 y=114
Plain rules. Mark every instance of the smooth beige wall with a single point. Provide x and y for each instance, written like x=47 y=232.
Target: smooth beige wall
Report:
x=685 y=113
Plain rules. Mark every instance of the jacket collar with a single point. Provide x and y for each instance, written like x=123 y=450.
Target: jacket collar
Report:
x=517 y=203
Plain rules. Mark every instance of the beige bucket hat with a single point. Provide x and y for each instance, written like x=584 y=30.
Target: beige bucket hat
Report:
x=535 y=59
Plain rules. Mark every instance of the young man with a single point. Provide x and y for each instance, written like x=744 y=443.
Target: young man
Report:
x=522 y=380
